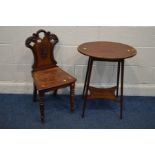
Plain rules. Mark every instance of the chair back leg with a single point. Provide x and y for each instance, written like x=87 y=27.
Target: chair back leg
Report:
x=34 y=93
x=72 y=94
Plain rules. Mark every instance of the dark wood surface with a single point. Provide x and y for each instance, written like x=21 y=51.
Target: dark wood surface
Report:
x=42 y=49
x=46 y=74
x=52 y=78
x=102 y=93
x=107 y=50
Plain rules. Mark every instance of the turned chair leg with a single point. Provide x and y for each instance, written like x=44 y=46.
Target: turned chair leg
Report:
x=34 y=93
x=41 y=103
x=72 y=91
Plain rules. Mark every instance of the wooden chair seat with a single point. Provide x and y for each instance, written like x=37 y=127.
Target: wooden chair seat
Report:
x=46 y=74
x=52 y=79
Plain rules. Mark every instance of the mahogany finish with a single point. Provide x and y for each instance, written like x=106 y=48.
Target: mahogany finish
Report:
x=102 y=93
x=42 y=49
x=105 y=51
x=52 y=78
x=47 y=76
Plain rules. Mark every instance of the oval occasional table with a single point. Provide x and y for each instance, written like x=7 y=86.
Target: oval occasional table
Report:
x=105 y=51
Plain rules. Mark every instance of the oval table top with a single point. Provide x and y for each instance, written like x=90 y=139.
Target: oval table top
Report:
x=107 y=50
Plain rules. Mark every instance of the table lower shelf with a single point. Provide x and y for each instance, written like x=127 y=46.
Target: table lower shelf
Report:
x=102 y=93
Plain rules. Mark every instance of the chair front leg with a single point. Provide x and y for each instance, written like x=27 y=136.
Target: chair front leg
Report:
x=34 y=93
x=41 y=104
x=72 y=91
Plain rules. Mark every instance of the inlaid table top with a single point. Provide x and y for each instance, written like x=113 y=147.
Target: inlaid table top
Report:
x=107 y=50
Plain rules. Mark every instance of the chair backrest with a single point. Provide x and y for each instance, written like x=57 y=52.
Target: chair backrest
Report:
x=42 y=48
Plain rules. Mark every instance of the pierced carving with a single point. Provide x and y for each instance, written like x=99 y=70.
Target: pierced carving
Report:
x=35 y=37
x=42 y=47
x=46 y=74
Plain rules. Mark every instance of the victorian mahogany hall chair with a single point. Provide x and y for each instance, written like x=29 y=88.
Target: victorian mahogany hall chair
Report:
x=47 y=76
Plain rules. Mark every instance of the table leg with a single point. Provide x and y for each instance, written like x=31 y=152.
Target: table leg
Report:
x=122 y=81
x=87 y=81
x=88 y=69
x=118 y=75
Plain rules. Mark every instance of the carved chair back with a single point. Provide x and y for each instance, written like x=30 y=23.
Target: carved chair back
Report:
x=43 y=49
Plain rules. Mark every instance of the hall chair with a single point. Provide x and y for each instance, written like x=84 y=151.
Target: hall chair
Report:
x=47 y=76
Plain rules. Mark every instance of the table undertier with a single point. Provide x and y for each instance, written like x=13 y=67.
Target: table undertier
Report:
x=102 y=93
